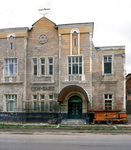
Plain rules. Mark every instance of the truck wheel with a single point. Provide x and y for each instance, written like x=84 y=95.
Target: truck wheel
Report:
x=126 y=121
x=109 y=122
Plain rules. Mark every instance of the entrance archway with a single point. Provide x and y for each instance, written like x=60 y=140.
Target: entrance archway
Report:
x=72 y=98
x=75 y=107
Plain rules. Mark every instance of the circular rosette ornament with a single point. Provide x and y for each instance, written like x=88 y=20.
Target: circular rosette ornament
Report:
x=43 y=39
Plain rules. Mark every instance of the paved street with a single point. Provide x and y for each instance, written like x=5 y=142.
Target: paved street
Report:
x=65 y=142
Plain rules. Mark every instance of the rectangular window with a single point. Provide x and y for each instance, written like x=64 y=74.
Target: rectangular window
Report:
x=35 y=103
x=51 y=97
x=34 y=66
x=11 y=102
x=50 y=106
x=108 y=101
x=50 y=66
x=75 y=65
x=10 y=66
x=107 y=64
x=75 y=42
x=42 y=66
x=42 y=103
x=11 y=45
x=50 y=103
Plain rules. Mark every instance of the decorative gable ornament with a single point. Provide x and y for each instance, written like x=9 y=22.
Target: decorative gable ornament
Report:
x=43 y=39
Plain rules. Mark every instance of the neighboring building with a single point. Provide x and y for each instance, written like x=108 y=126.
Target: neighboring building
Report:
x=56 y=70
x=128 y=93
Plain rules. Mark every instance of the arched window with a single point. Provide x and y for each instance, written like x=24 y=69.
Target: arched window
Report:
x=11 y=41
x=75 y=41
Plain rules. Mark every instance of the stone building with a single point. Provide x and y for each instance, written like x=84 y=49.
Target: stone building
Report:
x=55 y=70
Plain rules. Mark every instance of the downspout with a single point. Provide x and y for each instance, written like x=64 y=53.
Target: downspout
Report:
x=59 y=60
x=59 y=117
x=91 y=69
x=124 y=99
x=25 y=48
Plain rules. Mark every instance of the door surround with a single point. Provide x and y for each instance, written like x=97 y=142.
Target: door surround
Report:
x=75 y=107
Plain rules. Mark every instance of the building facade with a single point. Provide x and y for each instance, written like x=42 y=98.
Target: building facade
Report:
x=55 y=70
x=128 y=93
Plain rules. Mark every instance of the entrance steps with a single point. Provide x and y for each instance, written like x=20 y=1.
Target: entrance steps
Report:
x=73 y=121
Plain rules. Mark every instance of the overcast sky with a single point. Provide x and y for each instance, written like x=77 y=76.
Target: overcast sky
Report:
x=112 y=18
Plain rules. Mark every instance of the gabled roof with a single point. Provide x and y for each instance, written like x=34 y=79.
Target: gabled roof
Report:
x=41 y=18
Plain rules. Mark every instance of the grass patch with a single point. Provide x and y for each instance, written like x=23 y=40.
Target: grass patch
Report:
x=11 y=126
x=68 y=127
x=86 y=127
x=123 y=127
x=7 y=126
x=119 y=127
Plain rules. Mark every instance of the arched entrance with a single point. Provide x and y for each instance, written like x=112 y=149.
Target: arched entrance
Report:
x=73 y=101
x=75 y=108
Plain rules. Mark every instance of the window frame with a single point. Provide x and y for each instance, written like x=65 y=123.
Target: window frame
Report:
x=11 y=45
x=42 y=65
x=108 y=99
x=48 y=64
x=7 y=67
x=8 y=100
x=35 y=103
x=50 y=104
x=33 y=65
x=75 y=42
x=80 y=64
x=41 y=103
x=103 y=64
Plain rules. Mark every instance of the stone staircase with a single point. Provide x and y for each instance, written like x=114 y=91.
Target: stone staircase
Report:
x=73 y=122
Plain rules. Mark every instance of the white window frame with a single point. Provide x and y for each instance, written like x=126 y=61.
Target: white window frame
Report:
x=41 y=65
x=78 y=32
x=49 y=64
x=103 y=72
x=108 y=99
x=34 y=65
x=11 y=99
x=7 y=65
x=11 y=41
x=82 y=65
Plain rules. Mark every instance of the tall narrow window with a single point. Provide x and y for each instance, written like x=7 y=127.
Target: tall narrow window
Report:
x=75 y=42
x=11 y=102
x=35 y=103
x=34 y=66
x=42 y=66
x=108 y=101
x=11 y=45
x=107 y=64
x=50 y=103
x=51 y=106
x=75 y=65
x=10 y=66
x=42 y=103
x=50 y=67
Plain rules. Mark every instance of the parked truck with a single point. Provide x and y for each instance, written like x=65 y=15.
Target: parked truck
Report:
x=108 y=114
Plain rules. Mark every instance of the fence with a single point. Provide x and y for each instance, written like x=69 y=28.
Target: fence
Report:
x=28 y=114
